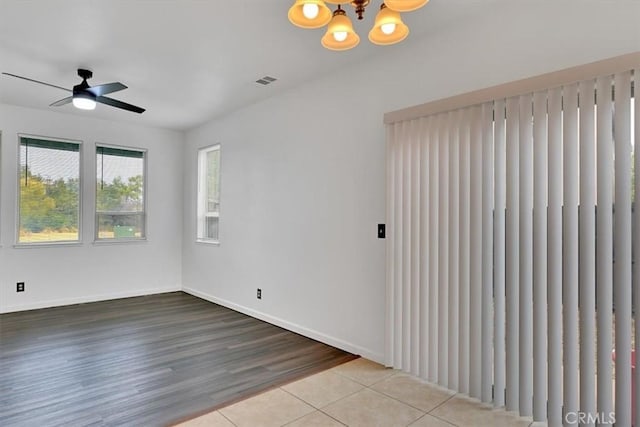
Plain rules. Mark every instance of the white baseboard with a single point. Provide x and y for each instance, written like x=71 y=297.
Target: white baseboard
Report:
x=310 y=333
x=91 y=298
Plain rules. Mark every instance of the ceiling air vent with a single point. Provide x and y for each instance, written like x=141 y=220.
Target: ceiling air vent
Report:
x=266 y=80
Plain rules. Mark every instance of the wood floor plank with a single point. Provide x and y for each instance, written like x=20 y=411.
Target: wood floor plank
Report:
x=150 y=361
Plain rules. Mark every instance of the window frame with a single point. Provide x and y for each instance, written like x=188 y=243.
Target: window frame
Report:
x=201 y=214
x=78 y=242
x=1 y=192
x=145 y=215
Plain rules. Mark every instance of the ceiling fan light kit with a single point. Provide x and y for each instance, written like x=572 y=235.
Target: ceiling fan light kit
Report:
x=84 y=102
x=85 y=97
x=388 y=27
x=82 y=98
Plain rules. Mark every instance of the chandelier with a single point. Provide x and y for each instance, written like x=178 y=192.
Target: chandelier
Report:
x=387 y=29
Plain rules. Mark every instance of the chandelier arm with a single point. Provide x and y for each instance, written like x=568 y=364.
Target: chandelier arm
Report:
x=360 y=6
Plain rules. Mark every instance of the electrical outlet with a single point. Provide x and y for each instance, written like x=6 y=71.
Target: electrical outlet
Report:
x=259 y=293
x=20 y=287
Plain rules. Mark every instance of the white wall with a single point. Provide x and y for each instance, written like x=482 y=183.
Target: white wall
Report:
x=303 y=173
x=87 y=272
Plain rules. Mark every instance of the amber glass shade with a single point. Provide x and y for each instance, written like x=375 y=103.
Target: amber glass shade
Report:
x=390 y=21
x=405 y=5
x=297 y=17
x=340 y=23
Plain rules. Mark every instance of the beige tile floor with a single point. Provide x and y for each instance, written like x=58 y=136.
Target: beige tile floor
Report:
x=359 y=393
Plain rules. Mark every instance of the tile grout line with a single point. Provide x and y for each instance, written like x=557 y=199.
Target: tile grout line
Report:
x=437 y=418
x=397 y=400
x=442 y=403
x=418 y=409
x=328 y=415
x=393 y=373
x=301 y=400
x=315 y=408
x=226 y=418
x=330 y=403
x=444 y=420
x=410 y=405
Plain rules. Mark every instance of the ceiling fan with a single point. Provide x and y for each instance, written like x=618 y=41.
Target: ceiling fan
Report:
x=85 y=97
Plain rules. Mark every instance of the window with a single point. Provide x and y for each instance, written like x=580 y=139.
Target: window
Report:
x=120 y=194
x=49 y=196
x=209 y=194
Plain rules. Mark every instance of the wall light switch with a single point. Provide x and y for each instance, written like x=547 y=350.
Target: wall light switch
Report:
x=381 y=231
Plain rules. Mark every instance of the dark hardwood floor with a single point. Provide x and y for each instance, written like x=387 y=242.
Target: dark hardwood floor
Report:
x=145 y=361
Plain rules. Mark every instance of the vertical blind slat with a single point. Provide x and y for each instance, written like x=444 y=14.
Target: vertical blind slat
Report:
x=604 y=249
x=636 y=235
x=486 y=303
x=433 y=255
x=475 y=266
x=512 y=257
x=415 y=247
x=443 y=247
x=622 y=247
x=570 y=250
x=554 y=267
x=540 y=187
x=526 y=246
x=587 y=250
x=463 y=259
x=406 y=247
x=424 y=249
x=454 y=250
x=499 y=254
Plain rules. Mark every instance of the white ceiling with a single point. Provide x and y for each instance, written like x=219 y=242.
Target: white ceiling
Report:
x=185 y=61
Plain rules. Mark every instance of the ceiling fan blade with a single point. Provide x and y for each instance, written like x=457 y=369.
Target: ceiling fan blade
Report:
x=63 y=101
x=36 y=81
x=106 y=88
x=119 y=104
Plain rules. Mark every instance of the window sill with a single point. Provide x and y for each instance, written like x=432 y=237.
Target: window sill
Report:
x=208 y=242
x=119 y=242
x=46 y=245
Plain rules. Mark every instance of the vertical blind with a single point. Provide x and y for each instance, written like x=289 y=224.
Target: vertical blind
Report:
x=509 y=265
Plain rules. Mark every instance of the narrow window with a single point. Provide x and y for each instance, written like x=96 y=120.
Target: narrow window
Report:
x=49 y=196
x=120 y=194
x=209 y=194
